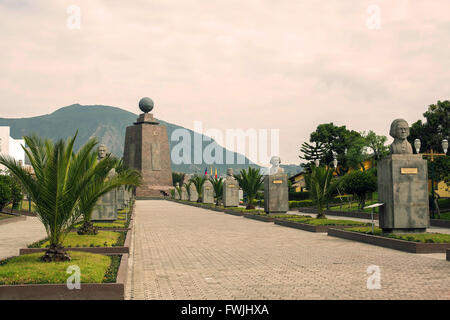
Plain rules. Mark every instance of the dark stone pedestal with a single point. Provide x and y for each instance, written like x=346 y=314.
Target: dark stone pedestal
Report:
x=276 y=198
x=147 y=150
x=403 y=188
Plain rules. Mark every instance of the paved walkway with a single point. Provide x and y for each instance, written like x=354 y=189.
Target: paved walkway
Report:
x=184 y=252
x=16 y=235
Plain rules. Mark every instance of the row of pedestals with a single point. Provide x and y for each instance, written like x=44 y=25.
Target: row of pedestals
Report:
x=109 y=204
x=275 y=193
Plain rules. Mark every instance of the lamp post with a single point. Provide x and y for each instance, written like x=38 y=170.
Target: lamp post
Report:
x=432 y=154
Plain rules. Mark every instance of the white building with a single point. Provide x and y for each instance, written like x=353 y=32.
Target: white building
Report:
x=10 y=146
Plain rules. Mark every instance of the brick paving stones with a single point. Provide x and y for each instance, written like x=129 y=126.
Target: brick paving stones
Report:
x=184 y=252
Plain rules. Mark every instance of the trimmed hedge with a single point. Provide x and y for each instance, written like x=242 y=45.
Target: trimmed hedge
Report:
x=298 y=196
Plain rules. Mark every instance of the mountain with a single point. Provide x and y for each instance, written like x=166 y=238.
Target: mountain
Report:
x=108 y=125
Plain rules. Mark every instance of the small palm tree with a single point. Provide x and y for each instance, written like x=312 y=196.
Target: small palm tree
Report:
x=178 y=189
x=103 y=182
x=198 y=182
x=218 y=188
x=321 y=186
x=60 y=176
x=250 y=181
x=187 y=186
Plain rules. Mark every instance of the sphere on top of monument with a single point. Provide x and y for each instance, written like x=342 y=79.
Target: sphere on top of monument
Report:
x=146 y=104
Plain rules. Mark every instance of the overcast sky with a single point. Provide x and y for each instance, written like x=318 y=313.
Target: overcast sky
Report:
x=287 y=64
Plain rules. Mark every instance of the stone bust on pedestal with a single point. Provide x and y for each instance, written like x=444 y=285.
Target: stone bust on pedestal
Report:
x=400 y=131
x=402 y=185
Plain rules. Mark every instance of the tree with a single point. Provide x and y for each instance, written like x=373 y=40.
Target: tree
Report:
x=177 y=177
x=198 y=182
x=312 y=152
x=330 y=139
x=431 y=133
x=5 y=192
x=321 y=186
x=16 y=192
x=178 y=189
x=377 y=144
x=218 y=188
x=187 y=186
x=60 y=176
x=102 y=183
x=250 y=181
x=435 y=129
x=360 y=183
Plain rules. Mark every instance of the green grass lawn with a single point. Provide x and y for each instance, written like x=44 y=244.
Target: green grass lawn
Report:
x=326 y=222
x=416 y=237
x=28 y=269
x=24 y=205
x=5 y=216
x=354 y=207
x=112 y=224
x=102 y=239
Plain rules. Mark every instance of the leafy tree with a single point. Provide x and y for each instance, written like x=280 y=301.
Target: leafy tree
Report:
x=329 y=138
x=250 y=181
x=60 y=176
x=360 y=183
x=434 y=129
x=198 y=182
x=377 y=144
x=100 y=184
x=218 y=188
x=5 y=192
x=321 y=186
x=431 y=133
x=177 y=177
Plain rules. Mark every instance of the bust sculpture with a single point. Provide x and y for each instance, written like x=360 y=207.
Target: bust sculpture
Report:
x=275 y=162
x=400 y=131
x=102 y=151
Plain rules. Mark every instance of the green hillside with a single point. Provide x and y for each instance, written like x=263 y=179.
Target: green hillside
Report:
x=108 y=125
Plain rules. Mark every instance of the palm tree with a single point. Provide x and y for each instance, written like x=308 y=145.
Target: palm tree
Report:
x=103 y=182
x=198 y=182
x=250 y=181
x=218 y=188
x=178 y=189
x=321 y=186
x=60 y=176
x=187 y=186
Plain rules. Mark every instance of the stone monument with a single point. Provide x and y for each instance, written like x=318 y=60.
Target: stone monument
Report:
x=403 y=185
x=177 y=194
x=230 y=190
x=106 y=207
x=193 y=194
x=120 y=198
x=147 y=150
x=276 y=196
x=207 y=192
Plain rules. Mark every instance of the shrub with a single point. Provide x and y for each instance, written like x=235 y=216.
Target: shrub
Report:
x=302 y=203
x=360 y=183
x=298 y=196
x=5 y=193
